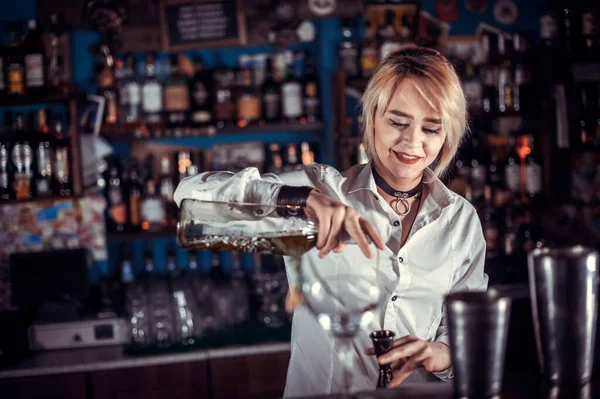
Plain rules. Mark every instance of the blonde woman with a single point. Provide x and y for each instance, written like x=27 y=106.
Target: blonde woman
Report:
x=430 y=238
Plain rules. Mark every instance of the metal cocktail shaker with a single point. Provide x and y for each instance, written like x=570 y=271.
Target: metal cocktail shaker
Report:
x=564 y=290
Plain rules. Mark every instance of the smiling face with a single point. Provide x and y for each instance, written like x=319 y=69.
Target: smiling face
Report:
x=408 y=137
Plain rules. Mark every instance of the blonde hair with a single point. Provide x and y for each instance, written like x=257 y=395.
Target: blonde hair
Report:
x=435 y=79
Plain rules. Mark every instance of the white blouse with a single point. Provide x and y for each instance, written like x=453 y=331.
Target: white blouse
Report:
x=444 y=252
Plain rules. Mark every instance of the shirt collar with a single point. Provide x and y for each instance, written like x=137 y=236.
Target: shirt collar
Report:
x=360 y=178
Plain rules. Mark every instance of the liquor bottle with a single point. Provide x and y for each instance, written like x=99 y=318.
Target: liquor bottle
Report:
x=200 y=92
x=512 y=169
x=152 y=93
x=58 y=51
x=509 y=240
x=5 y=164
x=62 y=154
x=348 y=51
x=248 y=100
x=127 y=276
x=308 y=156
x=549 y=25
x=167 y=188
x=489 y=90
x=153 y=209
x=388 y=36
x=275 y=162
x=15 y=67
x=2 y=75
x=505 y=83
x=473 y=89
x=44 y=156
x=369 y=55
x=105 y=81
x=589 y=31
x=183 y=160
x=312 y=101
x=22 y=158
x=586 y=127
x=271 y=95
x=291 y=95
x=129 y=92
x=533 y=170
x=478 y=169
x=35 y=61
x=490 y=225
x=176 y=94
x=292 y=161
x=566 y=28
x=134 y=199
x=223 y=104
x=116 y=207
x=522 y=74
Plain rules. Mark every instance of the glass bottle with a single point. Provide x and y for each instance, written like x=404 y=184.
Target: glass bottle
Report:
x=248 y=101
x=58 y=50
x=176 y=94
x=505 y=83
x=312 y=100
x=271 y=95
x=62 y=163
x=224 y=105
x=116 y=207
x=388 y=36
x=167 y=188
x=153 y=209
x=129 y=92
x=22 y=158
x=44 y=156
x=152 y=93
x=291 y=95
x=348 y=51
x=35 y=61
x=275 y=163
x=512 y=168
x=533 y=170
x=15 y=66
x=200 y=94
x=369 y=55
x=134 y=199
x=5 y=162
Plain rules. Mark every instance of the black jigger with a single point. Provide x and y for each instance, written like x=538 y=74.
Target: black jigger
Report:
x=382 y=343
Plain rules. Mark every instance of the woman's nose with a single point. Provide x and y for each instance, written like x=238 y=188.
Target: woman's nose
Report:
x=410 y=137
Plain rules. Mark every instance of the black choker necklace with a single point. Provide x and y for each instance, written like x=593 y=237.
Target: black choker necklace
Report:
x=401 y=196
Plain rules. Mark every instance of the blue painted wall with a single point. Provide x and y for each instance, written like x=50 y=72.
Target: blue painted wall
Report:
x=324 y=50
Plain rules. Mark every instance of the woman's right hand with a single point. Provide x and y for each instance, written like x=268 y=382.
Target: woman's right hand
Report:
x=334 y=219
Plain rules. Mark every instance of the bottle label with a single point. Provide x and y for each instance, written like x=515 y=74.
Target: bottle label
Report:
x=133 y=93
x=177 y=98
x=272 y=104
x=292 y=100
x=533 y=178
x=42 y=186
x=34 y=70
x=22 y=186
x=16 y=84
x=589 y=23
x=61 y=165
x=248 y=107
x=548 y=27
x=22 y=157
x=134 y=209
x=118 y=213
x=153 y=211
x=201 y=116
x=2 y=84
x=349 y=56
x=200 y=94
x=368 y=61
x=513 y=177
x=152 y=97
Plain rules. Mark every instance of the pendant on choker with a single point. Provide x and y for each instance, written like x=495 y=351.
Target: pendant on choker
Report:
x=401 y=199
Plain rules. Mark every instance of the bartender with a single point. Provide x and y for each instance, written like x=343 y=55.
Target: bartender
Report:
x=415 y=117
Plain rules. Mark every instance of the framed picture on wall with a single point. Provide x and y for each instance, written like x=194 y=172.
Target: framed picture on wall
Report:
x=190 y=24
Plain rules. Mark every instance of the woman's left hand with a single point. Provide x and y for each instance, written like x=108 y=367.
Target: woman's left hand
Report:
x=409 y=353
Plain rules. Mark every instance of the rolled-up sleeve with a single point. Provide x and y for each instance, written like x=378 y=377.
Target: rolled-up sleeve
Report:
x=469 y=243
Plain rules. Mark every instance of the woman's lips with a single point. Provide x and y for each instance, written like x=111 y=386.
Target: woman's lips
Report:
x=406 y=158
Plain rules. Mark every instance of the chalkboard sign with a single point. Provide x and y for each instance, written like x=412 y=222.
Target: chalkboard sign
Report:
x=188 y=24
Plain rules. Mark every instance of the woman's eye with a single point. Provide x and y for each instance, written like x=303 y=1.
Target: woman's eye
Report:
x=431 y=131
x=398 y=124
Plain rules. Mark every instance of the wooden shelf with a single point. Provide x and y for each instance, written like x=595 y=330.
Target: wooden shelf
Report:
x=208 y=137
x=168 y=232
x=38 y=200
x=28 y=100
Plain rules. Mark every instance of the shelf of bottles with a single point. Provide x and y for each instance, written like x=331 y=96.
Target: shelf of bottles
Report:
x=36 y=157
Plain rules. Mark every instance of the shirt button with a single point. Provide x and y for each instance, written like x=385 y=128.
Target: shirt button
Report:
x=396 y=223
x=394 y=298
x=376 y=197
x=400 y=259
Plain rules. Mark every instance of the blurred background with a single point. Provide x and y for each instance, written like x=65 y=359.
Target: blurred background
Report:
x=105 y=105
